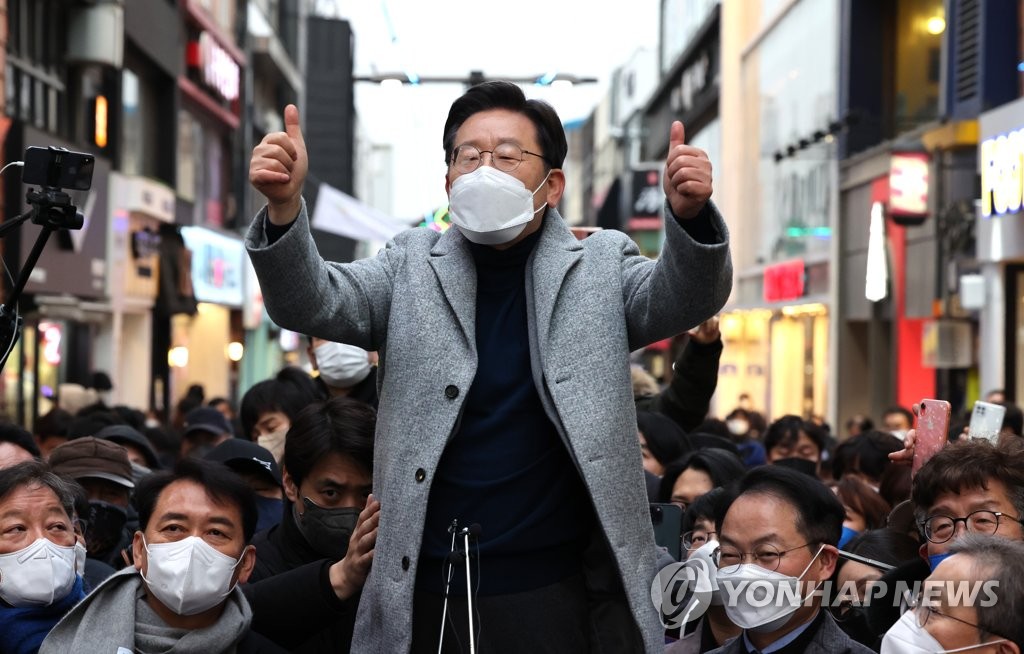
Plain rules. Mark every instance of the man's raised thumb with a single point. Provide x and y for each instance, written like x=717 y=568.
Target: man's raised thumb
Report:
x=677 y=135
x=291 y=123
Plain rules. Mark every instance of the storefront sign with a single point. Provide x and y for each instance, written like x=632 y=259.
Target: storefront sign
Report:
x=1002 y=173
x=217 y=69
x=908 y=184
x=647 y=199
x=217 y=270
x=784 y=281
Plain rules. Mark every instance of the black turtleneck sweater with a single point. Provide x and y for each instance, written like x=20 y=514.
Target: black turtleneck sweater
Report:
x=506 y=468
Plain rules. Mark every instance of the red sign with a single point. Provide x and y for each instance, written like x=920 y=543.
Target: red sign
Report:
x=784 y=281
x=908 y=184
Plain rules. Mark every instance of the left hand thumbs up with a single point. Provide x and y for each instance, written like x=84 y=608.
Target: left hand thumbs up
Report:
x=687 y=175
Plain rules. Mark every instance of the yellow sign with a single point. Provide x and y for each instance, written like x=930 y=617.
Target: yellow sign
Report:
x=1002 y=167
x=101 y=121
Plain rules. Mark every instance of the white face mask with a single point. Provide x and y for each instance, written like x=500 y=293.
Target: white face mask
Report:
x=738 y=427
x=709 y=579
x=736 y=587
x=491 y=207
x=37 y=575
x=909 y=637
x=80 y=555
x=274 y=443
x=189 y=576
x=340 y=365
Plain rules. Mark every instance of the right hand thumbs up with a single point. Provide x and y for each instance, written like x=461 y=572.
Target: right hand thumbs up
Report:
x=278 y=169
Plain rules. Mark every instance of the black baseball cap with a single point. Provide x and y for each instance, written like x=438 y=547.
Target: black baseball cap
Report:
x=207 y=419
x=242 y=455
x=128 y=435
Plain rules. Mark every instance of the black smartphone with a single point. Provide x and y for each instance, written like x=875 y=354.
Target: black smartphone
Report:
x=58 y=168
x=667 y=520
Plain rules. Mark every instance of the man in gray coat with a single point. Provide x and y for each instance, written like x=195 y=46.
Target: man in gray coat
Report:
x=506 y=427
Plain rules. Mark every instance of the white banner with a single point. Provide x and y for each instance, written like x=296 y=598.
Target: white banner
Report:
x=339 y=213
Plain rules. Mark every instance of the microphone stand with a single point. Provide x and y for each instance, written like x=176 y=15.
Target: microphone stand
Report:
x=52 y=210
x=444 y=611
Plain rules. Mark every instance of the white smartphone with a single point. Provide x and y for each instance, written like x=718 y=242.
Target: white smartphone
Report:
x=987 y=421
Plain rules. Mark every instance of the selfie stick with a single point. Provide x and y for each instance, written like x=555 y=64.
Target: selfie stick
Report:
x=51 y=209
x=472 y=530
x=447 y=584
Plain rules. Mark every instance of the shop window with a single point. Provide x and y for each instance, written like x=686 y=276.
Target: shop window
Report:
x=190 y=137
x=919 y=28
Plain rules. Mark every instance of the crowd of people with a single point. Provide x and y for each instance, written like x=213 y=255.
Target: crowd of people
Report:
x=477 y=467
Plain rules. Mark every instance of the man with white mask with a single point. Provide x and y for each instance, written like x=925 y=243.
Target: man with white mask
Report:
x=346 y=370
x=39 y=581
x=506 y=404
x=970 y=603
x=190 y=555
x=779 y=537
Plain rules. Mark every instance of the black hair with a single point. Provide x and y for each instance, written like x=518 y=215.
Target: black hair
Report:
x=722 y=466
x=341 y=425
x=130 y=416
x=290 y=391
x=55 y=422
x=699 y=441
x=506 y=95
x=820 y=514
x=709 y=506
x=863 y=423
x=666 y=440
x=38 y=473
x=786 y=431
x=866 y=453
x=903 y=411
x=885 y=545
x=15 y=435
x=217 y=401
x=715 y=427
x=219 y=481
x=964 y=465
x=91 y=422
x=1013 y=419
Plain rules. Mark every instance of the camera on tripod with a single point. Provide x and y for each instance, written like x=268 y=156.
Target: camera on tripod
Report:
x=54 y=169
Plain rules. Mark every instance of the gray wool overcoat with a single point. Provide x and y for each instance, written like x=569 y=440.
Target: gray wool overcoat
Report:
x=590 y=304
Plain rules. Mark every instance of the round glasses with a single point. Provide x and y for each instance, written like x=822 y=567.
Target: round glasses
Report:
x=506 y=157
x=766 y=556
x=923 y=612
x=940 y=528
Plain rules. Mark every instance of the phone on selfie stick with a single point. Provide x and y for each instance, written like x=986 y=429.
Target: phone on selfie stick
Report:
x=987 y=421
x=932 y=431
x=52 y=170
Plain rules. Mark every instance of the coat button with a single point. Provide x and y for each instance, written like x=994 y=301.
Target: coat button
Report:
x=421 y=474
x=405 y=563
x=451 y=392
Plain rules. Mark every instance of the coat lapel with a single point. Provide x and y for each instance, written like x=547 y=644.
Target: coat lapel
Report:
x=456 y=274
x=556 y=253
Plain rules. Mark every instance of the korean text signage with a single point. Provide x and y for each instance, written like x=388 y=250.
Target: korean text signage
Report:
x=216 y=67
x=1002 y=163
x=217 y=266
x=908 y=184
x=646 y=200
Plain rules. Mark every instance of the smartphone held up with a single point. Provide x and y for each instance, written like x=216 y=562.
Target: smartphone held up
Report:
x=932 y=431
x=987 y=421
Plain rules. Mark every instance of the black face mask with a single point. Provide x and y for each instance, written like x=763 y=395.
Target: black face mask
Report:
x=327 y=530
x=105 y=528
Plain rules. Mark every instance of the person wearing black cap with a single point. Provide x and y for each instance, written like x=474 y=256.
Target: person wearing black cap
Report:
x=104 y=471
x=140 y=452
x=256 y=466
x=205 y=429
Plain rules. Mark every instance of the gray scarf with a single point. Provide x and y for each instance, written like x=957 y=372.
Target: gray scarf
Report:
x=116 y=615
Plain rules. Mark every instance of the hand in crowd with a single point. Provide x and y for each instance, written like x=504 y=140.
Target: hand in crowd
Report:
x=687 y=175
x=349 y=574
x=278 y=169
x=707 y=332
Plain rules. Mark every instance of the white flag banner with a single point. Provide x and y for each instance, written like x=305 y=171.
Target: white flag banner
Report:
x=339 y=213
x=876 y=281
